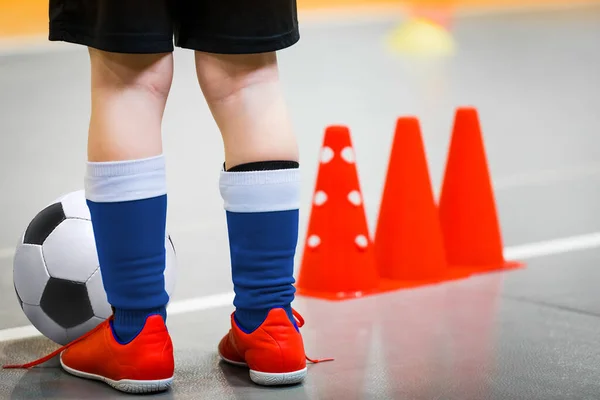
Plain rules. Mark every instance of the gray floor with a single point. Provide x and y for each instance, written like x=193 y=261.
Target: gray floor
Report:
x=527 y=334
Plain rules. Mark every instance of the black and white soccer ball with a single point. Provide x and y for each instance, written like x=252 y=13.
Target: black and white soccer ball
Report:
x=56 y=274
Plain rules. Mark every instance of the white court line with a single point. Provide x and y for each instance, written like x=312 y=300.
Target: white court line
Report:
x=175 y=308
x=553 y=247
x=22 y=332
x=199 y=303
x=517 y=253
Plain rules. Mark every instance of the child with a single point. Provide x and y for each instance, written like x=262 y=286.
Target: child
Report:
x=130 y=46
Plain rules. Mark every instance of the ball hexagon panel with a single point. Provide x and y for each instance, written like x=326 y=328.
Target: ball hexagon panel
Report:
x=29 y=273
x=45 y=325
x=43 y=224
x=97 y=296
x=74 y=205
x=66 y=303
x=70 y=251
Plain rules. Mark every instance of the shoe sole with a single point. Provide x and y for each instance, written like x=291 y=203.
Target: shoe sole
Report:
x=124 y=385
x=271 y=378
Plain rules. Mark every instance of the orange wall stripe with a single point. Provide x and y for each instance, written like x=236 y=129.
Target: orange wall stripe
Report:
x=30 y=17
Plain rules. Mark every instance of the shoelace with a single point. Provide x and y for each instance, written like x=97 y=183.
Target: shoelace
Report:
x=300 y=323
x=57 y=351
x=297 y=317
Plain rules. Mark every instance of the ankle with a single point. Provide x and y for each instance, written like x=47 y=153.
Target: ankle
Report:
x=128 y=324
x=251 y=319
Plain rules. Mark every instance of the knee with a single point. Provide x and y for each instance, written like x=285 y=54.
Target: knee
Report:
x=151 y=73
x=222 y=77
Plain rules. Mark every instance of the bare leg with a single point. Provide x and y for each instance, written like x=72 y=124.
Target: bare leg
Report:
x=245 y=96
x=129 y=93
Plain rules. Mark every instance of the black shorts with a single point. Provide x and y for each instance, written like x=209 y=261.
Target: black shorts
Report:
x=155 y=26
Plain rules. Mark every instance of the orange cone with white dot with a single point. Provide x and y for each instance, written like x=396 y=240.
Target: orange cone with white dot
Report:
x=338 y=261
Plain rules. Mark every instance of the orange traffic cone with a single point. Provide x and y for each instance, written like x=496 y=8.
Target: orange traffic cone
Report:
x=408 y=242
x=338 y=260
x=439 y=14
x=467 y=207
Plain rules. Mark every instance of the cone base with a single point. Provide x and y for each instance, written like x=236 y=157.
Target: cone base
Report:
x=385 y=286
x=448 y=276
x=338 y=296
x=485 y=269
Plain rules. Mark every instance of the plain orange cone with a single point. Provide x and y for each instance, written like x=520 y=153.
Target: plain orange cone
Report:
x=467 y=206
x=338 y=260
x=440 y=14
x=408 y=242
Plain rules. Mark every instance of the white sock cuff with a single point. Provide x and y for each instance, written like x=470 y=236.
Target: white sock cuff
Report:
x=109 y=182
x=261 y=191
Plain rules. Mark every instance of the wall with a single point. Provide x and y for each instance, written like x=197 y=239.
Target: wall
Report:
x=29 y=17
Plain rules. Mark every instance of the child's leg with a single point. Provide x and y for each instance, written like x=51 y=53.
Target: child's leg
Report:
x=130 y=47
x=126 y=194
x=129 y=93
x=125 y=182
x=245 y=96
x=260 y=184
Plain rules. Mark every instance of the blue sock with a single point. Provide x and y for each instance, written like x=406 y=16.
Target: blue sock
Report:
x=128 y=205
x=262 y=220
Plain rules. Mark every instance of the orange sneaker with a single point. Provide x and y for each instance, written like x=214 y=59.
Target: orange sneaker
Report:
x=274 y=352
x=144 y=365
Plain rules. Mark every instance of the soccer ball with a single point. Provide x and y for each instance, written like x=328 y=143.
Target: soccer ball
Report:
x=56 y=274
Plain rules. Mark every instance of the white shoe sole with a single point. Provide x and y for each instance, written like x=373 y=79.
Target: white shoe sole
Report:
x=269 y=378
x=124 y=385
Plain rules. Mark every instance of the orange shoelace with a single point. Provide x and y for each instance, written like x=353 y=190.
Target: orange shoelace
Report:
x=57 y=351
x=300 y=322
x=297 y=316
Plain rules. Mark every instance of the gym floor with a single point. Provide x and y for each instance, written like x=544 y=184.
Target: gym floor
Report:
x=531 y=334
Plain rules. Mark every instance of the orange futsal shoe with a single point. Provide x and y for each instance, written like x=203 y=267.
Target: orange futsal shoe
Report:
x=274 y=352
x=144 y=365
